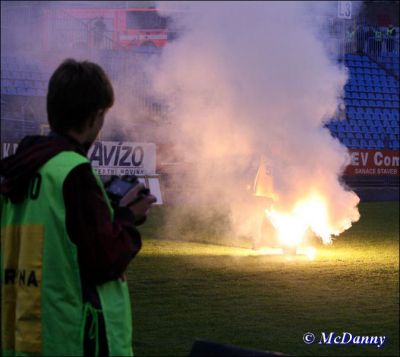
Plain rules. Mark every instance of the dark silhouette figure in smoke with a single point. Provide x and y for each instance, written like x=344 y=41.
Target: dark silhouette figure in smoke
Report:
x=99 y=29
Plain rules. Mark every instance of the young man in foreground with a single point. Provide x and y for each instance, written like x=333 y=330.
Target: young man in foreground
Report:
x=64 y=248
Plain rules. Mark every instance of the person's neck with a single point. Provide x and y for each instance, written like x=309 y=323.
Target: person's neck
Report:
x=80 y=138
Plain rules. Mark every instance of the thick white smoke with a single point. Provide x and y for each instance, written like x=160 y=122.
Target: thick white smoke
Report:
x=253 y=79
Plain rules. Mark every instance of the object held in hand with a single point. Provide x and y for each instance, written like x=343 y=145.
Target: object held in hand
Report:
x=119 y=186
x=142 y=193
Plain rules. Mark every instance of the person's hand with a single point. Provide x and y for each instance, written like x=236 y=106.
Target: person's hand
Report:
x=139 y=202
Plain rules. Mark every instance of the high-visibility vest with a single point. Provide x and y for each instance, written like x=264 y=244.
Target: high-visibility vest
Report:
x=42 y=310
x=378 y=35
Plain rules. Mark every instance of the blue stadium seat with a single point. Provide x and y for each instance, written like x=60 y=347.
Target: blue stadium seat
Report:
x=359 y=135
x=388 y=130
x=379 y=144
x=385 y=122
x=346 y=142
x=372 y=144
x=348 y=102
x=363 y=143
x=355 y=143
x=350 y=110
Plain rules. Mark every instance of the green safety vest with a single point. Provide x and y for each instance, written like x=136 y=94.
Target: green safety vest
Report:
x=42 y=312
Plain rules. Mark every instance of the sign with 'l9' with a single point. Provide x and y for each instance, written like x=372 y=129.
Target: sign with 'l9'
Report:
x=123 y=158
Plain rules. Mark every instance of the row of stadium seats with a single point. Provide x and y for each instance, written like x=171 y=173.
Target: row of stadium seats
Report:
x=387 y=87
x=372 y=103
x=350 y=63
x=24 y=83
x=378 y=117
x=368 y=78
x=371 y=98
x=24 y=75
x=370 y=89
x=370 y=144
x=15 y=66
x=356 y=58
x=373 y=111
x=370 y=71
x=368 y=136
x=371 y=95
x=372 y=107
x=377 y=122
x=365 y=129
x=24 y=91
x=390 y=63
x=371 y=140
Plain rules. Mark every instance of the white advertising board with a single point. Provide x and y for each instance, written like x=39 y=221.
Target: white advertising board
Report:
x=123 y=158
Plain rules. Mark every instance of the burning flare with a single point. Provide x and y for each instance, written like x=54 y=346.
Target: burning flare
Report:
x=310 y=213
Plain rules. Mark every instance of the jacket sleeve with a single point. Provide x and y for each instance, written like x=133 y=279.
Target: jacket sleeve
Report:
x=105 y=247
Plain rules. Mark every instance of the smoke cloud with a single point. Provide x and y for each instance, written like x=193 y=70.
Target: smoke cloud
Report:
x=251 y=80
x=243 y=82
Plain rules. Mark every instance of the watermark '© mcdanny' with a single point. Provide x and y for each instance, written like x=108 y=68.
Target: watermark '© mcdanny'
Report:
x=345 y=338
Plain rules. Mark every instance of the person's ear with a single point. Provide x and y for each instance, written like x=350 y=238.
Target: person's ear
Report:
x=94 y=117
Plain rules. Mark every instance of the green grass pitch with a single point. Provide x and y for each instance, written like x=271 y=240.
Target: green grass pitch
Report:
x=181 y=291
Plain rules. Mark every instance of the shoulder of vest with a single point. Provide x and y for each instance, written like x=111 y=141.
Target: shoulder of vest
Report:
x=64 y=162
x=69 y=157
